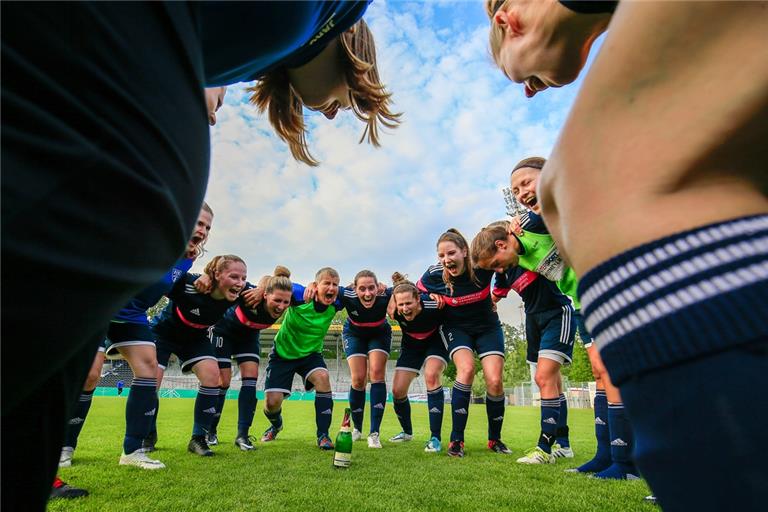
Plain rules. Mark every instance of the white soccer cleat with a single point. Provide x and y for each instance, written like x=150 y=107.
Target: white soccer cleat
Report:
x=560 y=452
x=402 y=437
x=140 y=460
x=356 y=435
x=537 y=456
x=65 y=459
x=374 y=441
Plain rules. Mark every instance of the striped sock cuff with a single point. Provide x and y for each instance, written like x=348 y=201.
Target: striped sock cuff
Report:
x=492 y=398
x=562 y=397
x=140 y=381
x=435 y=391
x=400 y=400
x=600 y=392
x=204 y=390
x=223 y=391
x=646 y=307
x=618 y=405
x=550 y=402
x=462 y=387
x=248 y=383
x=329 y=394
x=86 y=396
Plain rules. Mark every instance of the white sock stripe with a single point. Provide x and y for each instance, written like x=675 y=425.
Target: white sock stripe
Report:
x=462 y=387
x=675 y=248
x=248 y=383
x=203 y=390
x=324 y=395
x=676 y=300
x=705 y=263
x=435 y=391
x=492 y=398
x=144 y=382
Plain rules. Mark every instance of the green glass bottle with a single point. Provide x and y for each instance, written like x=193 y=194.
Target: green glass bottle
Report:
x=342 y=458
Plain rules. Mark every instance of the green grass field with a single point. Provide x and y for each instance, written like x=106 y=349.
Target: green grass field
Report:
x=291 y=473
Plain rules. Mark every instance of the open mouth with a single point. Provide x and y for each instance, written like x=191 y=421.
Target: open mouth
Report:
x=530 y=202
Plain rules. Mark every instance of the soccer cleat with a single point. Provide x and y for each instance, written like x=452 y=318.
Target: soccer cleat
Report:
x=537 y=456
x=149 y=442
x=140 y=460
x=617 y=471
x=270 y=434
x=324 y=442
x=356 y=435
x=61 y=489
x=651 y=498
x=433 y=446
x=245 y=443
x=402 y=437
x=497 y=446
x=65 y=459
x=373 y=440
x=211 y=438
x=198 y=446
x=561 y=452
x=456 y=449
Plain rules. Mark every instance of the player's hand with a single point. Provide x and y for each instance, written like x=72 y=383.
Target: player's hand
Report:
x=252 y=297
x=437 y=298
x=495 y=298
x=214 y=99
x=514 y=227
x=310 y=292
x=382 y=289
x=203 y=284
x=391 y=307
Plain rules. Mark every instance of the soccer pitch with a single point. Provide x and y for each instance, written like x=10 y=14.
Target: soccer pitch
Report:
x=291 y=473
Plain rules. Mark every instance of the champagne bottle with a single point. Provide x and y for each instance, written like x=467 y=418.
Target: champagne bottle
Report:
x=342 y=458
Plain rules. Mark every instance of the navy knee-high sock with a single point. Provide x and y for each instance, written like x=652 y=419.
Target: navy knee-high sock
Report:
x=494 y=409
x=562 y=423
x=275 y=418
x=402 y=408
x=357 y=404
x=219 y=408
x=602 y=458
x=378 y=403
x=550 y=410
x=153 y=420
x=436 y=405
x=76 y=422
x=140 y=409
x=622 y=442
x=205 y=409
x=459 y=409
x=323 y=412
x=246 y=406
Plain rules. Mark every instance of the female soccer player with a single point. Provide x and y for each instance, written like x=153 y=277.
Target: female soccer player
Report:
x=367 y=339
x=549 y=331
x=666 y=140
x=130 y=337
x=298 y=349
x=182 y=330
x=471 y=326
x=419 y=317
x=236 y=336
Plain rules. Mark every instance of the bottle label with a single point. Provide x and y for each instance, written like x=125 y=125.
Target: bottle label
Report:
x=342 y=460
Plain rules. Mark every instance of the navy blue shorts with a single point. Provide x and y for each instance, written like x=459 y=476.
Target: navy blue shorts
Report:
x=586 y=338
x=126 y=334
x=360 y=345
x=243 y=347
x=486 y=343
x=550 y=335
x=713 y=401
x=190 y=350
x=413 y=353
x=279 y=375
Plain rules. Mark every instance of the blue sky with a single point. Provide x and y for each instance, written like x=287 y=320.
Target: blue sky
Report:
x=383 y=209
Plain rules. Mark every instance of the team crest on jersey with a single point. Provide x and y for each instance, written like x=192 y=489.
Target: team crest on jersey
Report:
x=354 y=313
x=552 y=266
x=175 y=274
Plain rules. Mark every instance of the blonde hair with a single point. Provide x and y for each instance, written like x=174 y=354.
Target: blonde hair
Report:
x=326 y=271
x=368 y=97
x=200 y=248
x=453 y=235
x=496 y=33
x=401 y=284
x=280 y=280
x=364 y=273
x=219 y=263
x=484 y=244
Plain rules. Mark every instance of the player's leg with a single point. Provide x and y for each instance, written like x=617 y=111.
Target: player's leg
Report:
x=206 y=369
x=246 y=400
x=315 y=374
x=356 y=351
x=277 y=386
x=83 y=405
x=377 y=374
x=402 y=406
x=490 y=350
x=434 y=366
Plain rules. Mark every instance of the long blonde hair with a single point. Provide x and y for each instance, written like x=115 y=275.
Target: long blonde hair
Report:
x=455 y=236
x=368 y=97
x=280 y=280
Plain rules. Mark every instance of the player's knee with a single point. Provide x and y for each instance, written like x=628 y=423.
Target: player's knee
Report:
x=358 y=381
x=273 y=402
x=225 y=380
x=432 y=379
x=465 y=375
x=494 y=385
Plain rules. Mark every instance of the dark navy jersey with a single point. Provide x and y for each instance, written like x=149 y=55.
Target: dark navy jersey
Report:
x=590 y=6
x=244 y=40
x=189 y=311
x=538 y=294
x=468 y=305
x=135 y=311
x=240 y=319
x=534 y=223
x=425 y=324
x=362 y=320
